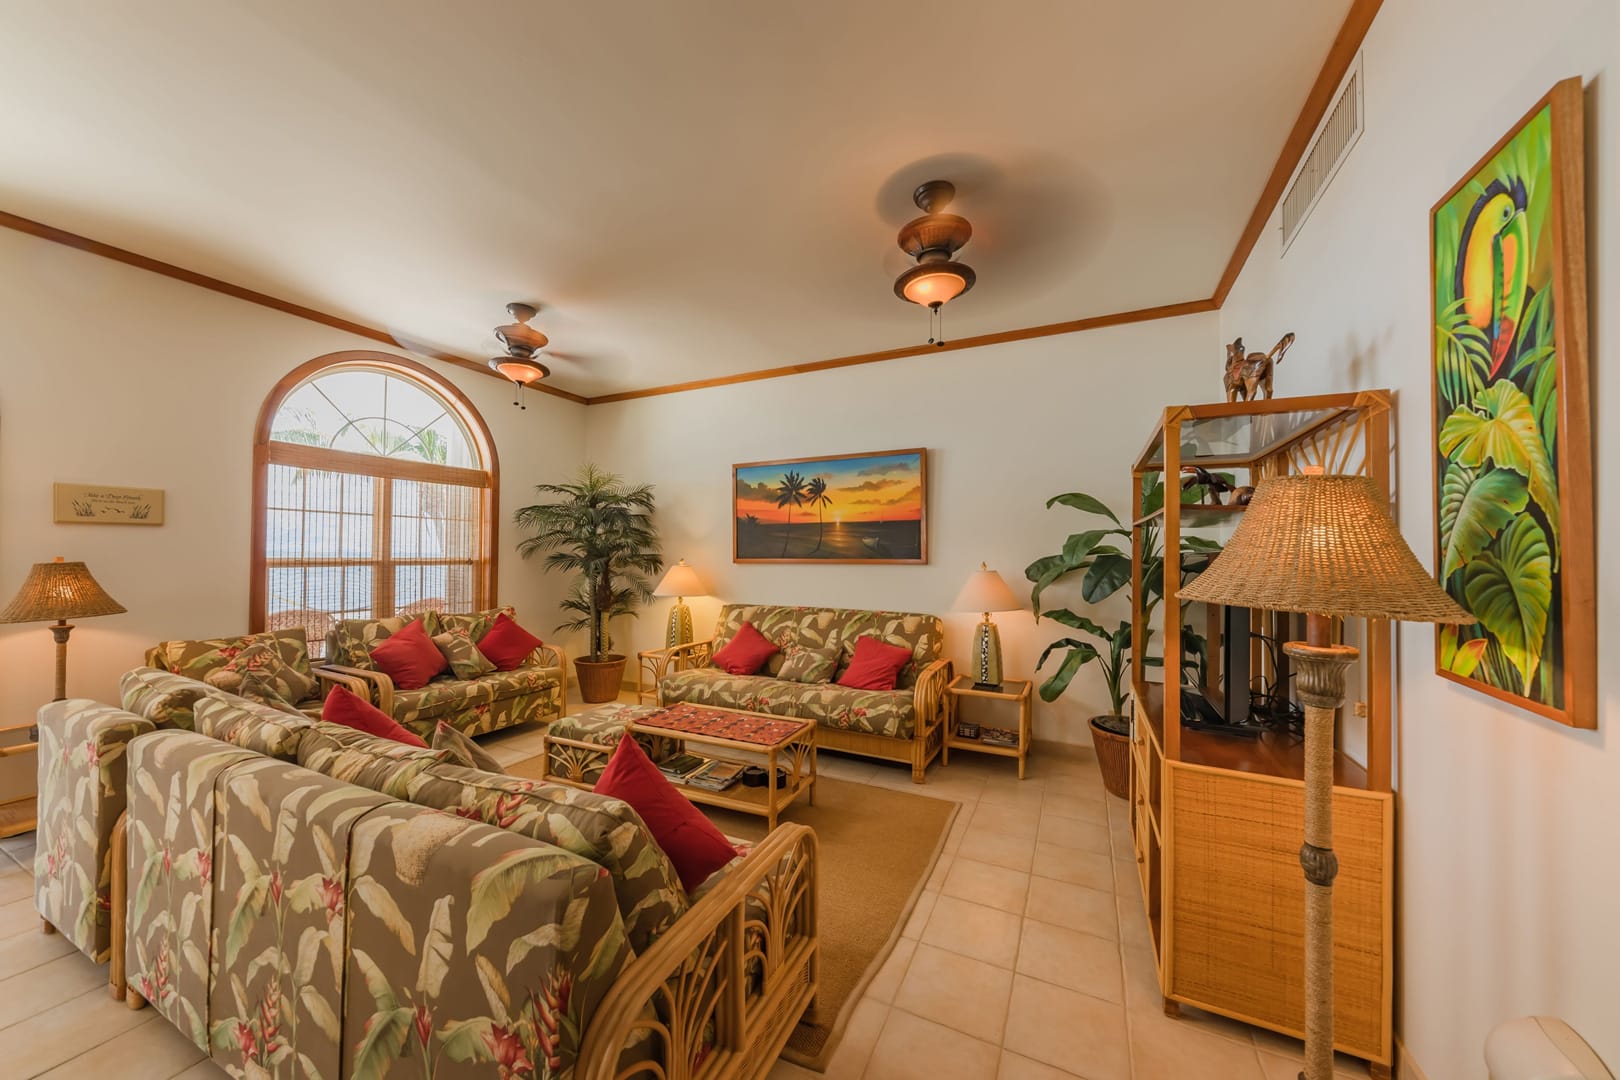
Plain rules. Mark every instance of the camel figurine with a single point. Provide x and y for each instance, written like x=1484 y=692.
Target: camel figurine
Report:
x=1248 y=374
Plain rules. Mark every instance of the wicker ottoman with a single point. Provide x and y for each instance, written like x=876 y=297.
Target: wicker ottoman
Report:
x=575 y=748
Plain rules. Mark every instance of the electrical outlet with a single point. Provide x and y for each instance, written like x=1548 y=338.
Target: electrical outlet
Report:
x=1361 y=708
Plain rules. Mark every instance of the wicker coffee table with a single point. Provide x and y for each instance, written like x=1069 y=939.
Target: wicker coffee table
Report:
x=575 y=748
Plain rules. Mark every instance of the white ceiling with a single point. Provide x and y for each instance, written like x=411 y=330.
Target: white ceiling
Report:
x=689 y=189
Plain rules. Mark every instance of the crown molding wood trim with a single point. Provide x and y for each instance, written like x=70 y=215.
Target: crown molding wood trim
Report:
x=286 y=307
x=1164 y=311
x=1340 y=55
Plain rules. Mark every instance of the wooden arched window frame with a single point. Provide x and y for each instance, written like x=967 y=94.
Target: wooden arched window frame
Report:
x=377 y=480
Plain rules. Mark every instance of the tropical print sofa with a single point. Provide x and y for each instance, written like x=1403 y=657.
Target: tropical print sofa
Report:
x=904 y=724
x=208 y=659
x=486 y=703
x=303 y=899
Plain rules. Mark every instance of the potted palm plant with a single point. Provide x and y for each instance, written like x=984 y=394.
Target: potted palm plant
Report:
x=602 y=529
x=1104 y=568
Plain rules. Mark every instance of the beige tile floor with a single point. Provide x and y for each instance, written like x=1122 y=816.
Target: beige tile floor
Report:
x=1025 y=959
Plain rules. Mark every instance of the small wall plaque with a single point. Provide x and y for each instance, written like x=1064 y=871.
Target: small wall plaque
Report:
x=100 y=504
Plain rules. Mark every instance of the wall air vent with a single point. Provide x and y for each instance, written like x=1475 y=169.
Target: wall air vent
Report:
x=1329 y=147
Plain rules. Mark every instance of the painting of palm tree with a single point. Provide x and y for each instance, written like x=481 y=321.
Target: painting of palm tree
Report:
x=815 y=494
x=789 y=493
x=868 y=508
x=1511 y=419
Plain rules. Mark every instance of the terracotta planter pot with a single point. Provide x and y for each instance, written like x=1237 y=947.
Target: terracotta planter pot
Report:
x=1113 y=755
x=600 y=680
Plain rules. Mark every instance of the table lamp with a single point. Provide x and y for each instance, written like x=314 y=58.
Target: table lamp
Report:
x=681 y=581
x=59 y=591
x=1323 y=546
x=986 y=592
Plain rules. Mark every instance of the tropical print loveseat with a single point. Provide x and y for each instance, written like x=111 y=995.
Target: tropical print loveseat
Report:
x=816 y=644
x=477 y=705
x=301 y=899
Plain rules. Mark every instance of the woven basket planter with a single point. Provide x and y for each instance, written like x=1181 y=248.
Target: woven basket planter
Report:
x=600 y=680
x=1113 y=755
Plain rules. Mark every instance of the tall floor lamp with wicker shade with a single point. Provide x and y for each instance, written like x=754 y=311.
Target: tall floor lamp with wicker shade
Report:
x=55 y=592
x=1323 y=546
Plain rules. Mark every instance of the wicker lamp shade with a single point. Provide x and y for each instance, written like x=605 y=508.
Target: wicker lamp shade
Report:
x=59 y=590
x=1323 y=545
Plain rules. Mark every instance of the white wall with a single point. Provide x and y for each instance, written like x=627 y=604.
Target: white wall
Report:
x=1509 y=864
x=1006 y=427
x=113 y=375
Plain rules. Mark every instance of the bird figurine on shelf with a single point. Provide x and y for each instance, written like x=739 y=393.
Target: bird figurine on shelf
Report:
x=1214 y=485
x=1492 y=277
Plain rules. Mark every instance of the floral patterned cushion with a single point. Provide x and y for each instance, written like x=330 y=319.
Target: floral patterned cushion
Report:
x=353 y=756
x=351 y=640
x=466 y=662
x=601 y=829
x=252 y=725
x=259 y=673
x=173 y=802
x=166 y=699
x=197 y=658
x=711 y=686
x=816 y=628
x=475 y=624
x=281 y=891
x=874 y=712
x=806 y=665
x=445 y=697
x=472 y=951
x=82 y=787
x=462 y=749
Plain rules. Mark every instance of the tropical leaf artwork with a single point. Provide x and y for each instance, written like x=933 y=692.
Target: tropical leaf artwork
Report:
x=1496 y=386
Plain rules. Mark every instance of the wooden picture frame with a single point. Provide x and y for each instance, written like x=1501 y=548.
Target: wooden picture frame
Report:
x=883 y=494
x=1511 y=444
x=103 y=504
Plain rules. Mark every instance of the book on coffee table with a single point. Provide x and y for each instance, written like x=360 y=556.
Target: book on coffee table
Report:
x=682 y=766
x=716 y=775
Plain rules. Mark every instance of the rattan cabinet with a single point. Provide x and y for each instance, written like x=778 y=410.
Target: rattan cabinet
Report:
x=1218 y=818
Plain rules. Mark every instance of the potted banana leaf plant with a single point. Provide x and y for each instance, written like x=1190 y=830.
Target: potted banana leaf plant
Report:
x=600 y=528
x=1101 y=559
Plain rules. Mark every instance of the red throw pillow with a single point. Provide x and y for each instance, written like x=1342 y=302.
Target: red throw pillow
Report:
x=409 y=657
x=876 y=665
x=352 y=711
x=690 y=840
x=506 y=644
x=746 y=653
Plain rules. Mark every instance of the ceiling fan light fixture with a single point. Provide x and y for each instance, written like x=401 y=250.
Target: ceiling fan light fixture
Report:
x=932 y=239
x=933 y=284
x=522 y=341
x=523 y=370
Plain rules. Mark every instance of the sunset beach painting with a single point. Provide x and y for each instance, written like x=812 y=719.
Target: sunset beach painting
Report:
x=842 y=508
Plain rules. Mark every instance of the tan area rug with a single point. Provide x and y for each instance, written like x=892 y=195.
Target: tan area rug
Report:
x=876 y=847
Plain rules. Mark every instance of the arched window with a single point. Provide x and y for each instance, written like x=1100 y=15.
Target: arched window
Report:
x=374 y=490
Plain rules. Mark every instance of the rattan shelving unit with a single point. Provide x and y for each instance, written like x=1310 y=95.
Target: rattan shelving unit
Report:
x=1217 y=819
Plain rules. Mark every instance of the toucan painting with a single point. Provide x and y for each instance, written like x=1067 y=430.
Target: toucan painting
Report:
x=1501 y=550
x=1492 y=278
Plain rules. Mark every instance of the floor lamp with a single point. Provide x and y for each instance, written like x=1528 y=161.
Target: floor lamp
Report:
x=59 y=591
x=1323 y=546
